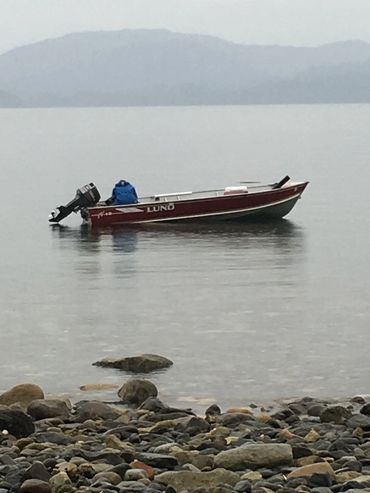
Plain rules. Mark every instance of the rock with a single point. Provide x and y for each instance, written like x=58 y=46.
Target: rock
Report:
x=335 y=414
x=212 y=413
x=128 y=487
x=309 y=470
x=53 y=437
x=70 y=468
x=166 y=415
x=35 y=486
x=318 y=480
x=359 y=421
x=252 y=476
x=6 y=460
x=120 y=469
x=95 y=410
x=256 y=455
x=353 y=487
x=321 y=489
x=16 y=423
x=345 y=476
x=192 y=425
x=365 y=409
x=136 y=391
x=145 y=363
x=135 y=474
x=159 y=461
x=243 y=486
x=89 y=387
x=285 y=434
x=187 y=480
x=202 y=461
x=48 y=408
x=243 y=410
x=87 y=470
x=104 y=455
x=263 y=417
x=349 y=463
x=137 y=464
x=300 y=451
x=58 y=480
x=38 y=471
x=283 y=414
x=153 y=404
x=315 y=410
x=112 y=441
x=22 y=394
x=15 y=477
x=234 y=419
x=190 y=467
x=363 y=479
x=312 y=436
x=109 y=476
x=358 y=399
x=305 y=461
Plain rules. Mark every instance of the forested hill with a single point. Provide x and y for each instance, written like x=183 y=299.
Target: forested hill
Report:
x=158 y=67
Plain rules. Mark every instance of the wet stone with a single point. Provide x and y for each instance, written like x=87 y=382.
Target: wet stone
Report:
x=158 y=460
x=243 y=486
x=38 y=471
x=35 y=486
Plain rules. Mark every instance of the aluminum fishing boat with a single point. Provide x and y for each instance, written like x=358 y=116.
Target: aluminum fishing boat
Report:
x=239 y=203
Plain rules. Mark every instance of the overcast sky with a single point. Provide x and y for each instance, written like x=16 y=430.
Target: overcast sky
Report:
x=284 y=22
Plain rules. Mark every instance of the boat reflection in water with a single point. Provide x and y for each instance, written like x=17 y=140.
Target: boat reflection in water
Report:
x=276 y=242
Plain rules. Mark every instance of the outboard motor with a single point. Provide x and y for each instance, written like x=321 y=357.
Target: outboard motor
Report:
x=86 y=196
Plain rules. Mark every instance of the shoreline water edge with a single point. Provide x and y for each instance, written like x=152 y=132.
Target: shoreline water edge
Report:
x=140 y=444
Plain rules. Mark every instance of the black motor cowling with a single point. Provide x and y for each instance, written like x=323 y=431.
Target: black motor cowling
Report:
x=86 y=196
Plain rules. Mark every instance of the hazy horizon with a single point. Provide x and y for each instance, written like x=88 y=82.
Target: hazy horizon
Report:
x=258 y=22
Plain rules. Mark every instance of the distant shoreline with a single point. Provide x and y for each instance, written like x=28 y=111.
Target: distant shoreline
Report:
x=200 y=105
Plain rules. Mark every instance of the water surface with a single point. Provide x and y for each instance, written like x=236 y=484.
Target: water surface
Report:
x=246 y=312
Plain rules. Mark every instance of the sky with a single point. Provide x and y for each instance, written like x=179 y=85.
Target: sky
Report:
x=282 y=22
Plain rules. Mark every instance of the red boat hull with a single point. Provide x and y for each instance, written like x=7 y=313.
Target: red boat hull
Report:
x=272 y=203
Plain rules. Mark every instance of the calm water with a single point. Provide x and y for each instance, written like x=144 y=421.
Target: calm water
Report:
x=245 y=312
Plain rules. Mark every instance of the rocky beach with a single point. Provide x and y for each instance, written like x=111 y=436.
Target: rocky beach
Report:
x=140 y=444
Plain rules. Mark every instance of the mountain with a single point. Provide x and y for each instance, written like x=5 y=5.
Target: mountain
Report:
x=8 y=100
x=159 y=67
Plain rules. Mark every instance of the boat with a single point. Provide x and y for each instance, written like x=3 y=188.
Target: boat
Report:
x=239 y=203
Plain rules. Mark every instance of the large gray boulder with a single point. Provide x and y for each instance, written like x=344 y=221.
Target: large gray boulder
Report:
x=189 y=480
x=16 y=423
x=22 y=394
x=335 y=414
x=253 y=456
x=136 y=391
x=48 y=408
x=95 y=410
x=144 y=363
